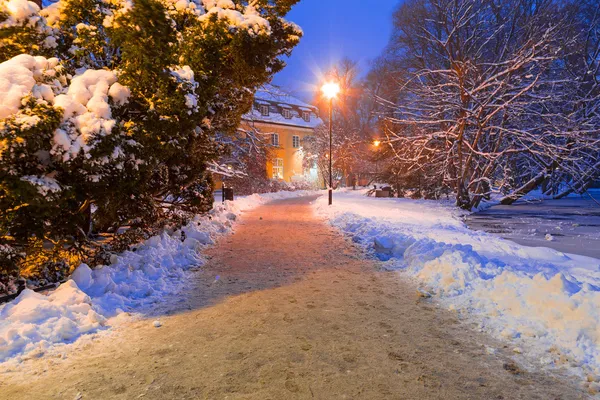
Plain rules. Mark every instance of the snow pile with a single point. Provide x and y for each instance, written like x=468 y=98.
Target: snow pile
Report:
x=25 y=75
x=134 y=282
x=85 y=105
x=250 y=20
x=23 y=13
x=34 y=321
x=19 y=12
x=86 y=110
x=546 y=302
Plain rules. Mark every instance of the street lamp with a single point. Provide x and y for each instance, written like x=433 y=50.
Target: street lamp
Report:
x=330 y=90
x=376 y=143
x=229 y=168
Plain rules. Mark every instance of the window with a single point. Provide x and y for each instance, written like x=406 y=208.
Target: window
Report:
x=264 y=110
x=287 y=113
x=295 y=141
x=275 y=139
x=306 y=116
x=278 y=168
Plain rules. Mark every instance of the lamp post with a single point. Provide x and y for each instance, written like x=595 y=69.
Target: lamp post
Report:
x=376 y=143
x=330 y=90
x=229 y=168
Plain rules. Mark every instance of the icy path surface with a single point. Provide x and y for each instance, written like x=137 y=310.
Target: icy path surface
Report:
x=546 y=303
x=134 y=283
x=569 y=225
x=286 y=308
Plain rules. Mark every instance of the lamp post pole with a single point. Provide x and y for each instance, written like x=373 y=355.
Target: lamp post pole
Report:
x=330 y=151
x=376 y=143
x=330 y=90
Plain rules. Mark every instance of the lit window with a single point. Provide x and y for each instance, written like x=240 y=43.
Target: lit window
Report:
x=287 y=113
x=295 y=142
x=306 y=116
x=264 y=110
x=275 y=139
x=278 y=168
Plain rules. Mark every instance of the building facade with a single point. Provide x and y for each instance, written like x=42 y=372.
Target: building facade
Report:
x=284 y=121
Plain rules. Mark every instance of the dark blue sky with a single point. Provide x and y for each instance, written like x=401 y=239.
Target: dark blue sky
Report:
x=334 y=29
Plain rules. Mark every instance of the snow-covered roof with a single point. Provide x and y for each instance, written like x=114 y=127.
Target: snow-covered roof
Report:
x=276 y=97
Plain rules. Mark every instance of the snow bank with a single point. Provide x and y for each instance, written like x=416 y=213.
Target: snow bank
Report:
x=546 y=302
x=134 y=282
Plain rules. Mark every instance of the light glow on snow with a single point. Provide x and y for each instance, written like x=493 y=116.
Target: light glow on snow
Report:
x=545 y=301
x=134 y=282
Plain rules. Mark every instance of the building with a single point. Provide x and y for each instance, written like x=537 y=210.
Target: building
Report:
x=285 y=121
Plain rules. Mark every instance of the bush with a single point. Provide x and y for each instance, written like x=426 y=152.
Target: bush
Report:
x=116 y=124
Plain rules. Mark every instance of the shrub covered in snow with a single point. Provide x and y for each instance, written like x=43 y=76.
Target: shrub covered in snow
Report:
x=115 y=124
x=23 y=30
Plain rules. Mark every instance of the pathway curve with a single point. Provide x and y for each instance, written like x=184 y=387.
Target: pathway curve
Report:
x=297 y=313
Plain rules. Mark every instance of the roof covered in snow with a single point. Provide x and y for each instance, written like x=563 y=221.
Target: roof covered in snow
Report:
x=277 y=100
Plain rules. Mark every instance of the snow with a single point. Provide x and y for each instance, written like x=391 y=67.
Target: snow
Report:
x=119 y=93
x=23 y=75
x=23 y=13
x=136 y=280
x=545 y=302
x=52 y=13
x=84 y=101
x=185 y=77
x=250 y=20
x=269 y=94
x=44 y=184
x=18 y=11
x=87 y=109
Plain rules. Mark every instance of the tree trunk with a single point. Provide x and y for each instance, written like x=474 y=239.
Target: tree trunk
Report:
x=523 y=190
x=462 y=197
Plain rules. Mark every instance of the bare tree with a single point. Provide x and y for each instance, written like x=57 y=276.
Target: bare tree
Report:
x=483 y=97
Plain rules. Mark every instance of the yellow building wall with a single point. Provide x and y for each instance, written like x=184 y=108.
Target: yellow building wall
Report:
x=292 y=157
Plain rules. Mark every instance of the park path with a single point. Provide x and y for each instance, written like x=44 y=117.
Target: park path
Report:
x=297 y=312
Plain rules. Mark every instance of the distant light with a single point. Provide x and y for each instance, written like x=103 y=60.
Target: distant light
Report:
x=376 y=143
x=330 y=90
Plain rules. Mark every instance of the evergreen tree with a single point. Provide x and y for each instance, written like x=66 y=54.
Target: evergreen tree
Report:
x=118 y=126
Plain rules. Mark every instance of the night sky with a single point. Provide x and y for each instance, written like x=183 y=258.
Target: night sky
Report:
x=334 y=29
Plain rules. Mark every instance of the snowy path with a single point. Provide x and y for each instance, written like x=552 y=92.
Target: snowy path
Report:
x=296 y=313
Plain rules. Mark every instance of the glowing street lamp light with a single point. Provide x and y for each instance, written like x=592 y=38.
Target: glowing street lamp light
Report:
x=330 y=90
x=376 y=143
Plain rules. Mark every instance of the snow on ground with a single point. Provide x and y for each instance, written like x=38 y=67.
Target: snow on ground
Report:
x=135 y=281
x=544 y=301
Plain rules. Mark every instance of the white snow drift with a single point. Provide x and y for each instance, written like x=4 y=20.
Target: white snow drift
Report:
x=546 y=302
